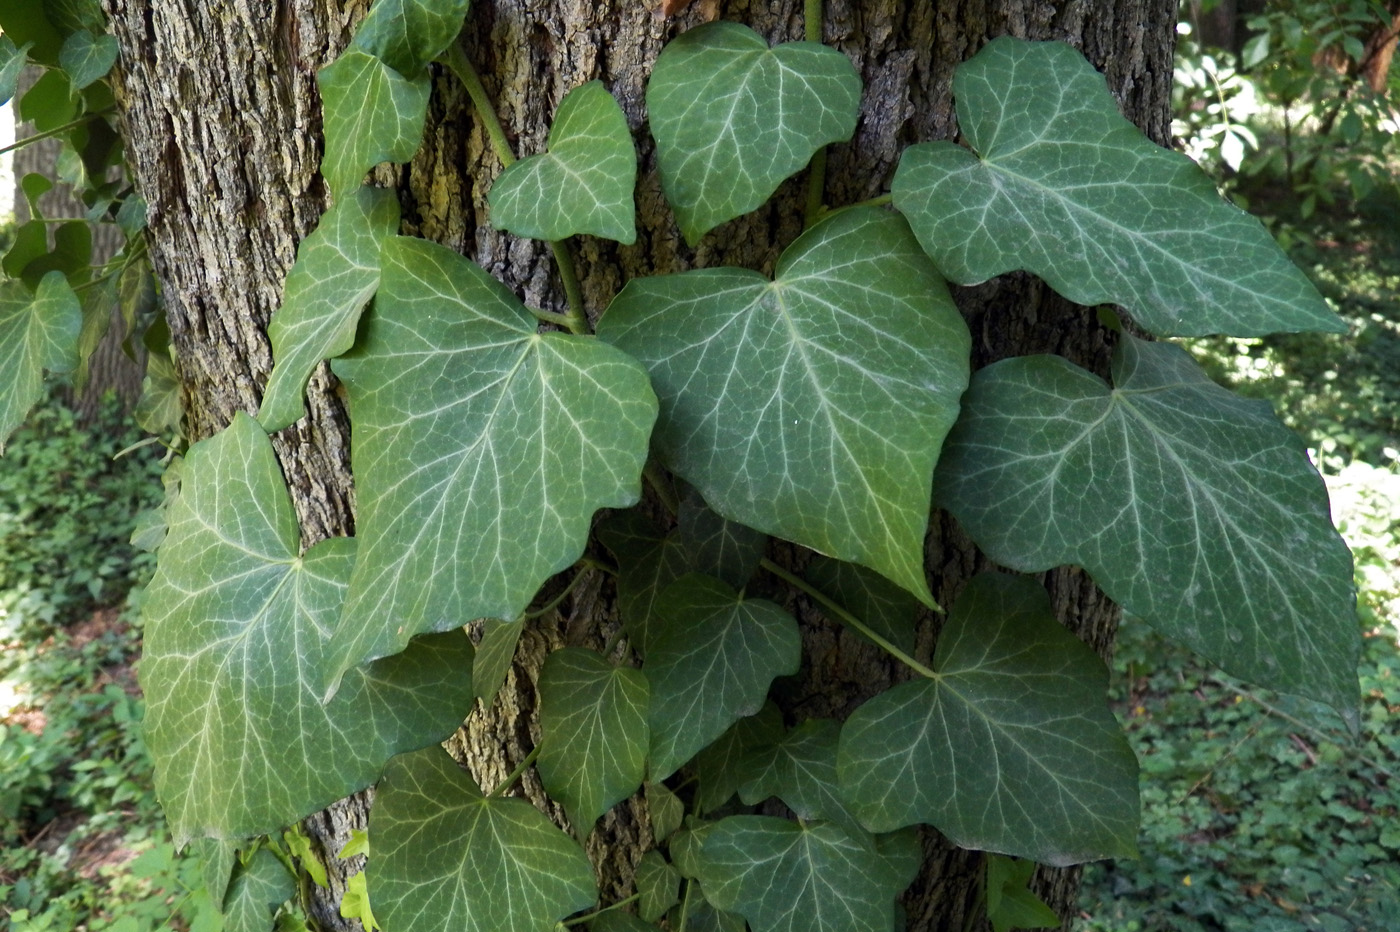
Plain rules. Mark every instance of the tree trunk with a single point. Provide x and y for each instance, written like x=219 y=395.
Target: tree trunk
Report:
x=223 y=128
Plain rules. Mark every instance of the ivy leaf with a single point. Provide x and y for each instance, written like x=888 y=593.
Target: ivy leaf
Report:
x=407 y=34
x=161 y=406
x=801 y=771
x=700 y=916
x=12 y=61
x=87 y=57
x=647 y=564
x=733 y=118
x=1193 y=509
x=811 y=407
x=1063 y=186
x=666 y=810
x=373 y=114
x=216 y=857
x=658 y=886
x=1010 y=746
x=582 y=184
x=593 y=724
x=788 y=877
x=717 y=767
x=494 y=656
x=1010 y=903
x=335 y=275
x=615 y=920
x=724 y=549
x=37 y=331
x=237 y=630
x=889 y=610
x=447 y=857
x=481 y=449
x=258 y=888
x=711 y=660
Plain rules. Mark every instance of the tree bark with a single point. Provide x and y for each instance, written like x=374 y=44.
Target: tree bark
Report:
x=223 y=130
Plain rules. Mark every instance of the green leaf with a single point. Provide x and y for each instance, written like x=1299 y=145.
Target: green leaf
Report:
x=27 y=23
x=216 y=857
x=236 y=639
x=712 y=657
x=1010 y=903
x=801 y=771
x=49 y=103
x=1010 y=747
x=582 y=184
x=335 y=275
x=615 y=920
x=891 y=611
x=666 y=810
x=71 y=253
x=12 y=61
x=647 y=564
x=702 y=917
x=1191 y=507
x=299 y=844
x=87 y=57
x=407 y=34
x=717 y=767
x=161 y=406
x=494 y=656
x=258 y=888
x=811 y=407
x=787 y=877
x=593 y=733
x=478 y=435
x=373 y=114
x=354 y=903
x=658 y=885
x=724 y=549
x=37 y=332
x=1063 y=186
x=447 y=857
x=733 y=118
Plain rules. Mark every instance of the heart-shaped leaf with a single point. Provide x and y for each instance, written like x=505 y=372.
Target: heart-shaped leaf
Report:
x=788 y=877
x=1010 y=746
x=713 y=545
x=658 y=886
x=407 y=34
x=335 y=275
x=258 y=888
x=37 y=332
x=718 y=768
x=373 y=114
x=666 y=810
x=447 y=857
x=236 y=640
x=811 y=407
x=1063 y=186
x=481 y=449
x=583 y=184
x=647 y=564
x=1193 y=509
x=711 y=658
x=801 y=771
x=593 y=733
x=12 y=62
x=733 y=118
x=87 y=57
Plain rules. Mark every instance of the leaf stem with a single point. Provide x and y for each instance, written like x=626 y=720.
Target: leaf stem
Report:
x=845 y=617
x=56 y=131
x=555 y=602
x=515 y=774
x=813 y=13
x=457 y=62
x=685 y=905
x=598 y=912
x=879 y=201
x=577 y=318
x=550 y=317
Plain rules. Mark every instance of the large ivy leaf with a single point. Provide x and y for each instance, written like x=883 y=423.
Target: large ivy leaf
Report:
x=593 y=725
x=1063 y=186
x=481 y=449
x=407 y=34
x=711 y=659
x=811 y=407
x=1010 y=747
x=1193 y=508
x=733 y=118
x=373 y=114
x=258 y=888
x=87 y=57
x=582 y=184
x=335 y=275
x=447 y=857
x=37 y=331
x=801 y=771
x=788 y=877
x=236 y=639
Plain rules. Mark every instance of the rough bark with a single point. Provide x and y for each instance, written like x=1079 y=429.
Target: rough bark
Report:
x=223 y=124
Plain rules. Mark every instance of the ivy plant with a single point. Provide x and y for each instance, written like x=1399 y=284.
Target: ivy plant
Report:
x=829 y=405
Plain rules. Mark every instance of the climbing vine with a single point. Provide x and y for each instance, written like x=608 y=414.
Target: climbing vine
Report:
x=830 y=405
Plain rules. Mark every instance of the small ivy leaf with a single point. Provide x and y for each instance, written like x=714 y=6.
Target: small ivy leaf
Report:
x=258 y=888
x=354 y=903
x=658 y=886
x=49 y=103
x=475 y=432
x=12 y=61
x=788 y=877
x=237 y=632
x=335 y=275
x=299 y=844
x=1193 y=509
x=717 y=767
x=615 y=920
x=724 y=549
x=1010 y=903
x=889 y=610
x=37 y=332
x=447 y=857
x=700 y=916
x=131 y=217
x=373 y=114
x=582 y=184
x=712 y=657
x=216 y=857
x=811 y=407
x=666 y=810
x=494 y=656
x=801 y=771
x=647 y=564
x=87 y=57
x=407 y=34
x=71 y=255
x=1065 y=187
x=593 y=733
x=733 y=118
x=161 y=406
x=1010 y=748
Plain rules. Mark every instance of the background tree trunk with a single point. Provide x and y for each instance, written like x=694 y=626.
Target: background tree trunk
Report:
x=223 y=128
